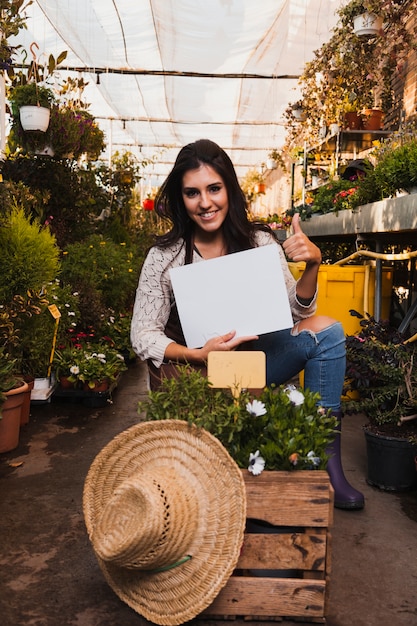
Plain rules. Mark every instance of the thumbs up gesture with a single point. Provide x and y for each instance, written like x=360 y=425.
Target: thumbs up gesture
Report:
x=298 y=246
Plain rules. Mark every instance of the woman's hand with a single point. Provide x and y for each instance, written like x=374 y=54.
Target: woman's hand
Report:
x=298 y=246
x=226 y=342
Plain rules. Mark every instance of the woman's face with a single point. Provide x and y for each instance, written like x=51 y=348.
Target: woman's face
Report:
x=205 y=197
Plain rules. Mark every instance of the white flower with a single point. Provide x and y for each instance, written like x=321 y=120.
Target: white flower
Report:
x=74 y=369
x=256 y=408
x=71 y=313
x=315 y=460
x=295 y=396
x=256 y=463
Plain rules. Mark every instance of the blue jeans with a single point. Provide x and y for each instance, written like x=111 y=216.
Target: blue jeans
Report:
x=322 y=355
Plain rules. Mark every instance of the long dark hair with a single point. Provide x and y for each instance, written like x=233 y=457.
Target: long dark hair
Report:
x=238 y=230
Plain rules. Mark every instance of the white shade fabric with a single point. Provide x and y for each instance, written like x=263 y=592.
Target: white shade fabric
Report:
x=172 y=71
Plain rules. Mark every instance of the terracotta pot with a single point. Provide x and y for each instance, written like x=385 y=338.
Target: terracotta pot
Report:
x=372 y=119
x=10 y=420
x=98 y=387
x=352 y=120
x=260 y=188
x=65 y=383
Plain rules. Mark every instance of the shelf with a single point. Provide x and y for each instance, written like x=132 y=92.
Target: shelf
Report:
x=350 y=142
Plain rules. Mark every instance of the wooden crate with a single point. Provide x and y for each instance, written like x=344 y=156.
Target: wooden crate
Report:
x=296 y=556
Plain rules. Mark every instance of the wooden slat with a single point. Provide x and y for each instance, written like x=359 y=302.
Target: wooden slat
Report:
x=303 y=551
x=299 y=498
x=286 y=597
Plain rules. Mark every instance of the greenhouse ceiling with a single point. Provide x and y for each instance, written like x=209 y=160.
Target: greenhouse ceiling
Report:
x=163 y=73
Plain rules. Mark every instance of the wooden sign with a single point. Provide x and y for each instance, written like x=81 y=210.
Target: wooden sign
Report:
x=237 y=370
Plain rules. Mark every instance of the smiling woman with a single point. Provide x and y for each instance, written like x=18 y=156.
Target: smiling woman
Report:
x=207 y=211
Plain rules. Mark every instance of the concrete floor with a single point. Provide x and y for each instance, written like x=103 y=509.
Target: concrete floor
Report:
x=49 y=575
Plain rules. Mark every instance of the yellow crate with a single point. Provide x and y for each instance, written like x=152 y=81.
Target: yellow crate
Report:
x=343 y=287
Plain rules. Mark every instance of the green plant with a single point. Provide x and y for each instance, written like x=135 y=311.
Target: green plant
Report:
x=99 y=266
x=381 y=368
x=334 y=196
x=8 y=378
x=30 y=94
x=352 y=72
x=30 y=257
x=89 y=363
x=396 y=166
x=12 y=20
x=283 y=426
x=117 y=329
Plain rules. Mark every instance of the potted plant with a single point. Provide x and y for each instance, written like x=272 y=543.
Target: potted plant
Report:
x=253 y=184
x=12 y=389
x=361 y=69
x=31 y=99
x=92 y=367
x=381 y=370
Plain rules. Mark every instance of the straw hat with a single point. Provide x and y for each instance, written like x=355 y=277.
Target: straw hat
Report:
x=165 y=509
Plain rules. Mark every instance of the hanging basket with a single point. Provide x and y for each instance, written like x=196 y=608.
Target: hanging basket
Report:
x=34 y=118
x=367 y=25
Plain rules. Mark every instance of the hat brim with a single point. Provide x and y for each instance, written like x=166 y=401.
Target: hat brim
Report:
x=178 y=594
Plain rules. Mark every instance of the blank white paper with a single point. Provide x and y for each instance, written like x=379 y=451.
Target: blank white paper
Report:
x=244 y=292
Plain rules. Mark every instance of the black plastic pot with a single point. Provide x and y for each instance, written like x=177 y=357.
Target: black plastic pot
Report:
x=391 y=462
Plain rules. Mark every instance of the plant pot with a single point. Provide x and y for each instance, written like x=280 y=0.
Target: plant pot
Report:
x=65 y=383
x=271 y=164
x=34 y=118
x=299 y=114
x=372 y=119
x=98 y=387
x=46 y=151
x=260 y=188
x=352 y=120
x=367 y=25
x=391 y=462
x=10 y=420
